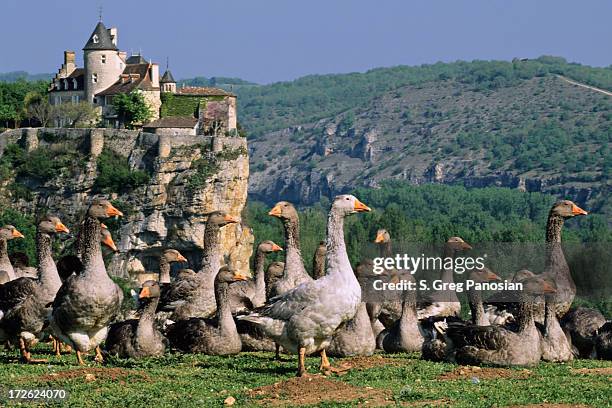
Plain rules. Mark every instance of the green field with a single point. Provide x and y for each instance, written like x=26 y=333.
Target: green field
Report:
x=382 y=380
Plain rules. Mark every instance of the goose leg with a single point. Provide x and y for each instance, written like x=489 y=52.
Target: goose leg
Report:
x=26 y=355
x=99 y=358
x=79 y=358
x=277 y=352
x=326 y=366
x=301 y=359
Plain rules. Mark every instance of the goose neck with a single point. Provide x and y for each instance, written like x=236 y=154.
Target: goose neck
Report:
x=224 y=310
x=5 y=262
x=211 y=258
x=164 y=270
x=49 y=278
x=93 y=263
x=293 y=254
x=555 y=258
x=260 y=278
x=525 y=312
x=147 y=318
x=476 y=307
x=409 y=313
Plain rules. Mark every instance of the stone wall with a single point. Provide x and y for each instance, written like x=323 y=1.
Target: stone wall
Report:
x=165 y=213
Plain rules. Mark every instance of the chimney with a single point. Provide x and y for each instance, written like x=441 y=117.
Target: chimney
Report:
x=69 y=62
x=154 y=74
x=113 y=34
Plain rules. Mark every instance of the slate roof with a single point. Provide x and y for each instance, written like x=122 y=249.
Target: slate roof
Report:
x=105 y=42
x=167 y=77
x=173 y=122
x=135 y=76
x=204 y=91
x=136 y=59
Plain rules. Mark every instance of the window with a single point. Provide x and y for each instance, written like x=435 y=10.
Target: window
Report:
x=103 y=59
x=95 y=38
x=66 y=84
x=75 y=99
x=57 y=85
x=75 y=85
x=95 y=100
x=94 y=77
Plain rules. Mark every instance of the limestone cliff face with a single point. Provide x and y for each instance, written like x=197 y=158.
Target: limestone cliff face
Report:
x=190 y=176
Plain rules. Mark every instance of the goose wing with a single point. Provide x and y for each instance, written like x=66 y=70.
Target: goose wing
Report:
x=285 y=306
x=16 y=291
x=178 y=292
x=482 y=337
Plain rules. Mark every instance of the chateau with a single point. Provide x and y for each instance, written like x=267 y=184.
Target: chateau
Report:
x=108 y=72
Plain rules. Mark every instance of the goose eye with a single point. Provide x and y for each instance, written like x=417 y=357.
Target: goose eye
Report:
x=347 y=198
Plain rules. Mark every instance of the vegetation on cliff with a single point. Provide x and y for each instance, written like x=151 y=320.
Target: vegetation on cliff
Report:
x=115 y=174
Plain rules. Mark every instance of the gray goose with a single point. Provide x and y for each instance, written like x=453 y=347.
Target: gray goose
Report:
x=274 y=272
x=556 y=267
x=356 y=337
x=304 y=319
x=318 y=261
x=25 y=318
x=555 y=343
x=603 y=342
x=213 y=337
x=137 y=338
x=89 y=301
x=192 y=295
x=582 y=324
x=252 y=293
x=443 y=303
x=500 y=346
x=168 y=257
x=294 y=273
x=7 y=233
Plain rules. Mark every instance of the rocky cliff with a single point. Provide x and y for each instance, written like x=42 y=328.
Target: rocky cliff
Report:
x=540 y=134
x=187 y=177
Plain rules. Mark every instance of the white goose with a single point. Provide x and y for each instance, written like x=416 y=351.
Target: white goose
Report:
x=304 y=319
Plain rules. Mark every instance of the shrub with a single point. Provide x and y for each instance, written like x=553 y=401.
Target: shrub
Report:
x=115 y=175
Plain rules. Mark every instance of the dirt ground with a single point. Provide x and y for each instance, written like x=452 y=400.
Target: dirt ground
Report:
x=483 y=373
x=94 y=374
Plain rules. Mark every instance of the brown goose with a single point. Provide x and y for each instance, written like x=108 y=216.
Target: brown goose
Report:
x=24 y=320
x=252 y=293
x=87 y=303
x=404 y=336
x=356 y=337
x=305 y=319
x=556 y=345
x=582 y=324
x=138 y=338
x=7 y=233
x=193 y=295
x=318 y=261
x=213 y=337
x=496 y=345
x=168 y=257
x=443 y=303
x=274 y=272
x=294 y=273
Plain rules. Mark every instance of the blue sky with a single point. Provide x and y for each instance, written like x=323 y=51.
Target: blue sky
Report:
x=273 y=40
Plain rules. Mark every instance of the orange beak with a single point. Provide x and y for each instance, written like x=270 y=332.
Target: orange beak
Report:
x=181 y=258
x=361 y=207
x=108 y=241
x=548 y=288
x=59 y=227
x=229 y=218
x=145 y=293
x=276 y=211
x=17 y=234
x=465 y=245
x=578 y=211
x=492 y=276
x=379 y=238
x=111 y=211
x=276 y=248
x=240 y=277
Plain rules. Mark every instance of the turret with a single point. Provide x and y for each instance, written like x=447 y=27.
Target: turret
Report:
x=167 y=83
x=103 y=64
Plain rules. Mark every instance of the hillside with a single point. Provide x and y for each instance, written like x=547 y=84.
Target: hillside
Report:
x=535 y=133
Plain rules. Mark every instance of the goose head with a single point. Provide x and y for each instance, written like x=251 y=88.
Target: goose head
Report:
x=346 y=204
x=268 y=246
x=172 y=255
x=522 y=275
x=284 y=210
x=382 y=236
x=9 y=232
x=50 y=224
x=220 y=218
x=228 y=275
x=150 y=290
x=537 y=285
x=483 y=275
x=185 y=274
x=275 y=270
x=102 y=208
x=566 y=209
x=457 y=244
x=106 y=238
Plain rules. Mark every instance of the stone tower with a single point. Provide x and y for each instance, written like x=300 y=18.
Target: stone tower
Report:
x=103 y=64
x=167 y=83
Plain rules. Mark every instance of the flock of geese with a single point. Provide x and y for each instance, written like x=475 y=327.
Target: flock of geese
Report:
x=219 y=311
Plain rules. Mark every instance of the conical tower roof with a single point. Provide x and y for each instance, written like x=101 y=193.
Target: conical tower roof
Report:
x=167 y=78
x=100 y=39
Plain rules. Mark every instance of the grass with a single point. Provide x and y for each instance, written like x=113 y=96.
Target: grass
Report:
x=204 y=381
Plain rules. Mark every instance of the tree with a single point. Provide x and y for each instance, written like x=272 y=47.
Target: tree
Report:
x=132 y=109
x=7 y=114
x=37 y=107
x=82 y=114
